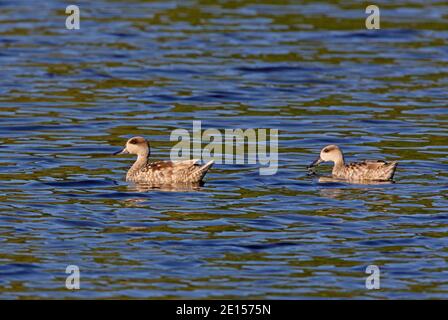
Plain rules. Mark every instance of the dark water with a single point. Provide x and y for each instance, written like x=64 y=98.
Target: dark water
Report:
x=68 y=99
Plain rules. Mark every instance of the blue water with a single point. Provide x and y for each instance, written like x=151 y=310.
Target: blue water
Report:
x=70 y=98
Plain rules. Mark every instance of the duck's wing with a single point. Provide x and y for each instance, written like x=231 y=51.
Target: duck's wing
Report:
x=170 y=168
x=373 y=164
x=164 y=172
x=185 y=164
x=378 y=164
x=177 y=171
x=362 y=165
x=374 y=169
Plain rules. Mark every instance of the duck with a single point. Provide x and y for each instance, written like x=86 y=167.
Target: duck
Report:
x=161 y=172
x=377 y=170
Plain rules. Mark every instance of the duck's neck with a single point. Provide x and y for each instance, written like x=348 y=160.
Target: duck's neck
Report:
x=339 y=163
x=141 y=162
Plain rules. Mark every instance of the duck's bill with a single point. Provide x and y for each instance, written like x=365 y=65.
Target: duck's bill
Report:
x=124 y=151
x=315 y=162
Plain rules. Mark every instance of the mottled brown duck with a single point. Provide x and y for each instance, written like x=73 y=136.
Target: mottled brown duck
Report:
x=366 y=170
x=161 y=172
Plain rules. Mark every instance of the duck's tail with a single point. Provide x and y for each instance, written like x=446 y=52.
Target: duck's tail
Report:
x=390 y=169
x=198 y=174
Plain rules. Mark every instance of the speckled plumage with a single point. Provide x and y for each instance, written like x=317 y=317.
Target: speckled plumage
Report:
x=365 y=170
x=161 y=172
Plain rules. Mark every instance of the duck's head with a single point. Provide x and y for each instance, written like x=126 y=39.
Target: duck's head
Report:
x=136 y=145
x=329 y=153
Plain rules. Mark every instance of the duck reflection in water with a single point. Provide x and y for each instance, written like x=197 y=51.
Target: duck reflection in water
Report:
x=179 y=187
x=338 y=188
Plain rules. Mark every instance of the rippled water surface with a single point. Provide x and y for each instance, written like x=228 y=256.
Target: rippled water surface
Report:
x=70 y=98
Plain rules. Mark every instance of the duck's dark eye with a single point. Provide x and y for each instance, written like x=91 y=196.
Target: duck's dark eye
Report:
x=326 y=150
x=133 y=141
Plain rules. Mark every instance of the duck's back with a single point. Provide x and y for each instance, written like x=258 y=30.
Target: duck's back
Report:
x=170 y=172
x=368 y=170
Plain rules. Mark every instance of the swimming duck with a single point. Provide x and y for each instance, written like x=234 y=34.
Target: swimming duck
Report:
x=366 y=170
x=160 y=172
